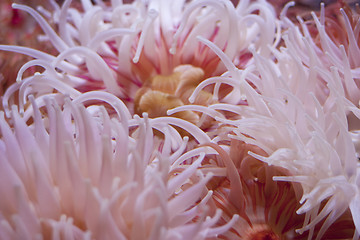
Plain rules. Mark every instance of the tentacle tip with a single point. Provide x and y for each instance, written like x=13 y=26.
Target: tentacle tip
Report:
x=172 y=50
x=299 y=211
x=15 y=5
x=191 y=99
x=145 y=115
x=135 y=59
x=200 y=38
x=169 y=112
x=7 y=113
x=186 y=138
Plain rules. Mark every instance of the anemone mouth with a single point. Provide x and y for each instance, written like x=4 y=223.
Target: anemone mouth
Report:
x=165 y=92
x=118 y=47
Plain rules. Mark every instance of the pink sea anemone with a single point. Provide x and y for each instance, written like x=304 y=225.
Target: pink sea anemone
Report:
x=73 y=172
x=269 y=105
x=324 y=42
x=137 y=50
x=301 y=130
x=266 y=208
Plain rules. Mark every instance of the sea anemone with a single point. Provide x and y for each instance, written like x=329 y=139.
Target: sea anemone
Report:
x=302 y=131
x=266 y=208
x=324 y=42
x=148 y=53
x=74 y=172
x=272 y=145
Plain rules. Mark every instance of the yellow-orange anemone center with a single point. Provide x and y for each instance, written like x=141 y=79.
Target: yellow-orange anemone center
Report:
x=163 y=92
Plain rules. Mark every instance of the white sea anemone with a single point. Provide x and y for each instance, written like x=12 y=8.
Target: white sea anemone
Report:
x=266 y=209
x=147 y=51
x=323 y=43
x=81 y=167
x=302 y=131
x=73 y=172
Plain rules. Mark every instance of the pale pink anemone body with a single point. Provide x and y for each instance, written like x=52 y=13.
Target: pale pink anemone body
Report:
x=333 y=41
x=120 y=48
x=291 y=103
x=298 y=115
x=267 y=209
x=80 y=170
x=75 y=172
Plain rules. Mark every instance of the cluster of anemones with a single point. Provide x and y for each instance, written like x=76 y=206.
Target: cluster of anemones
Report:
x=181 y=119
